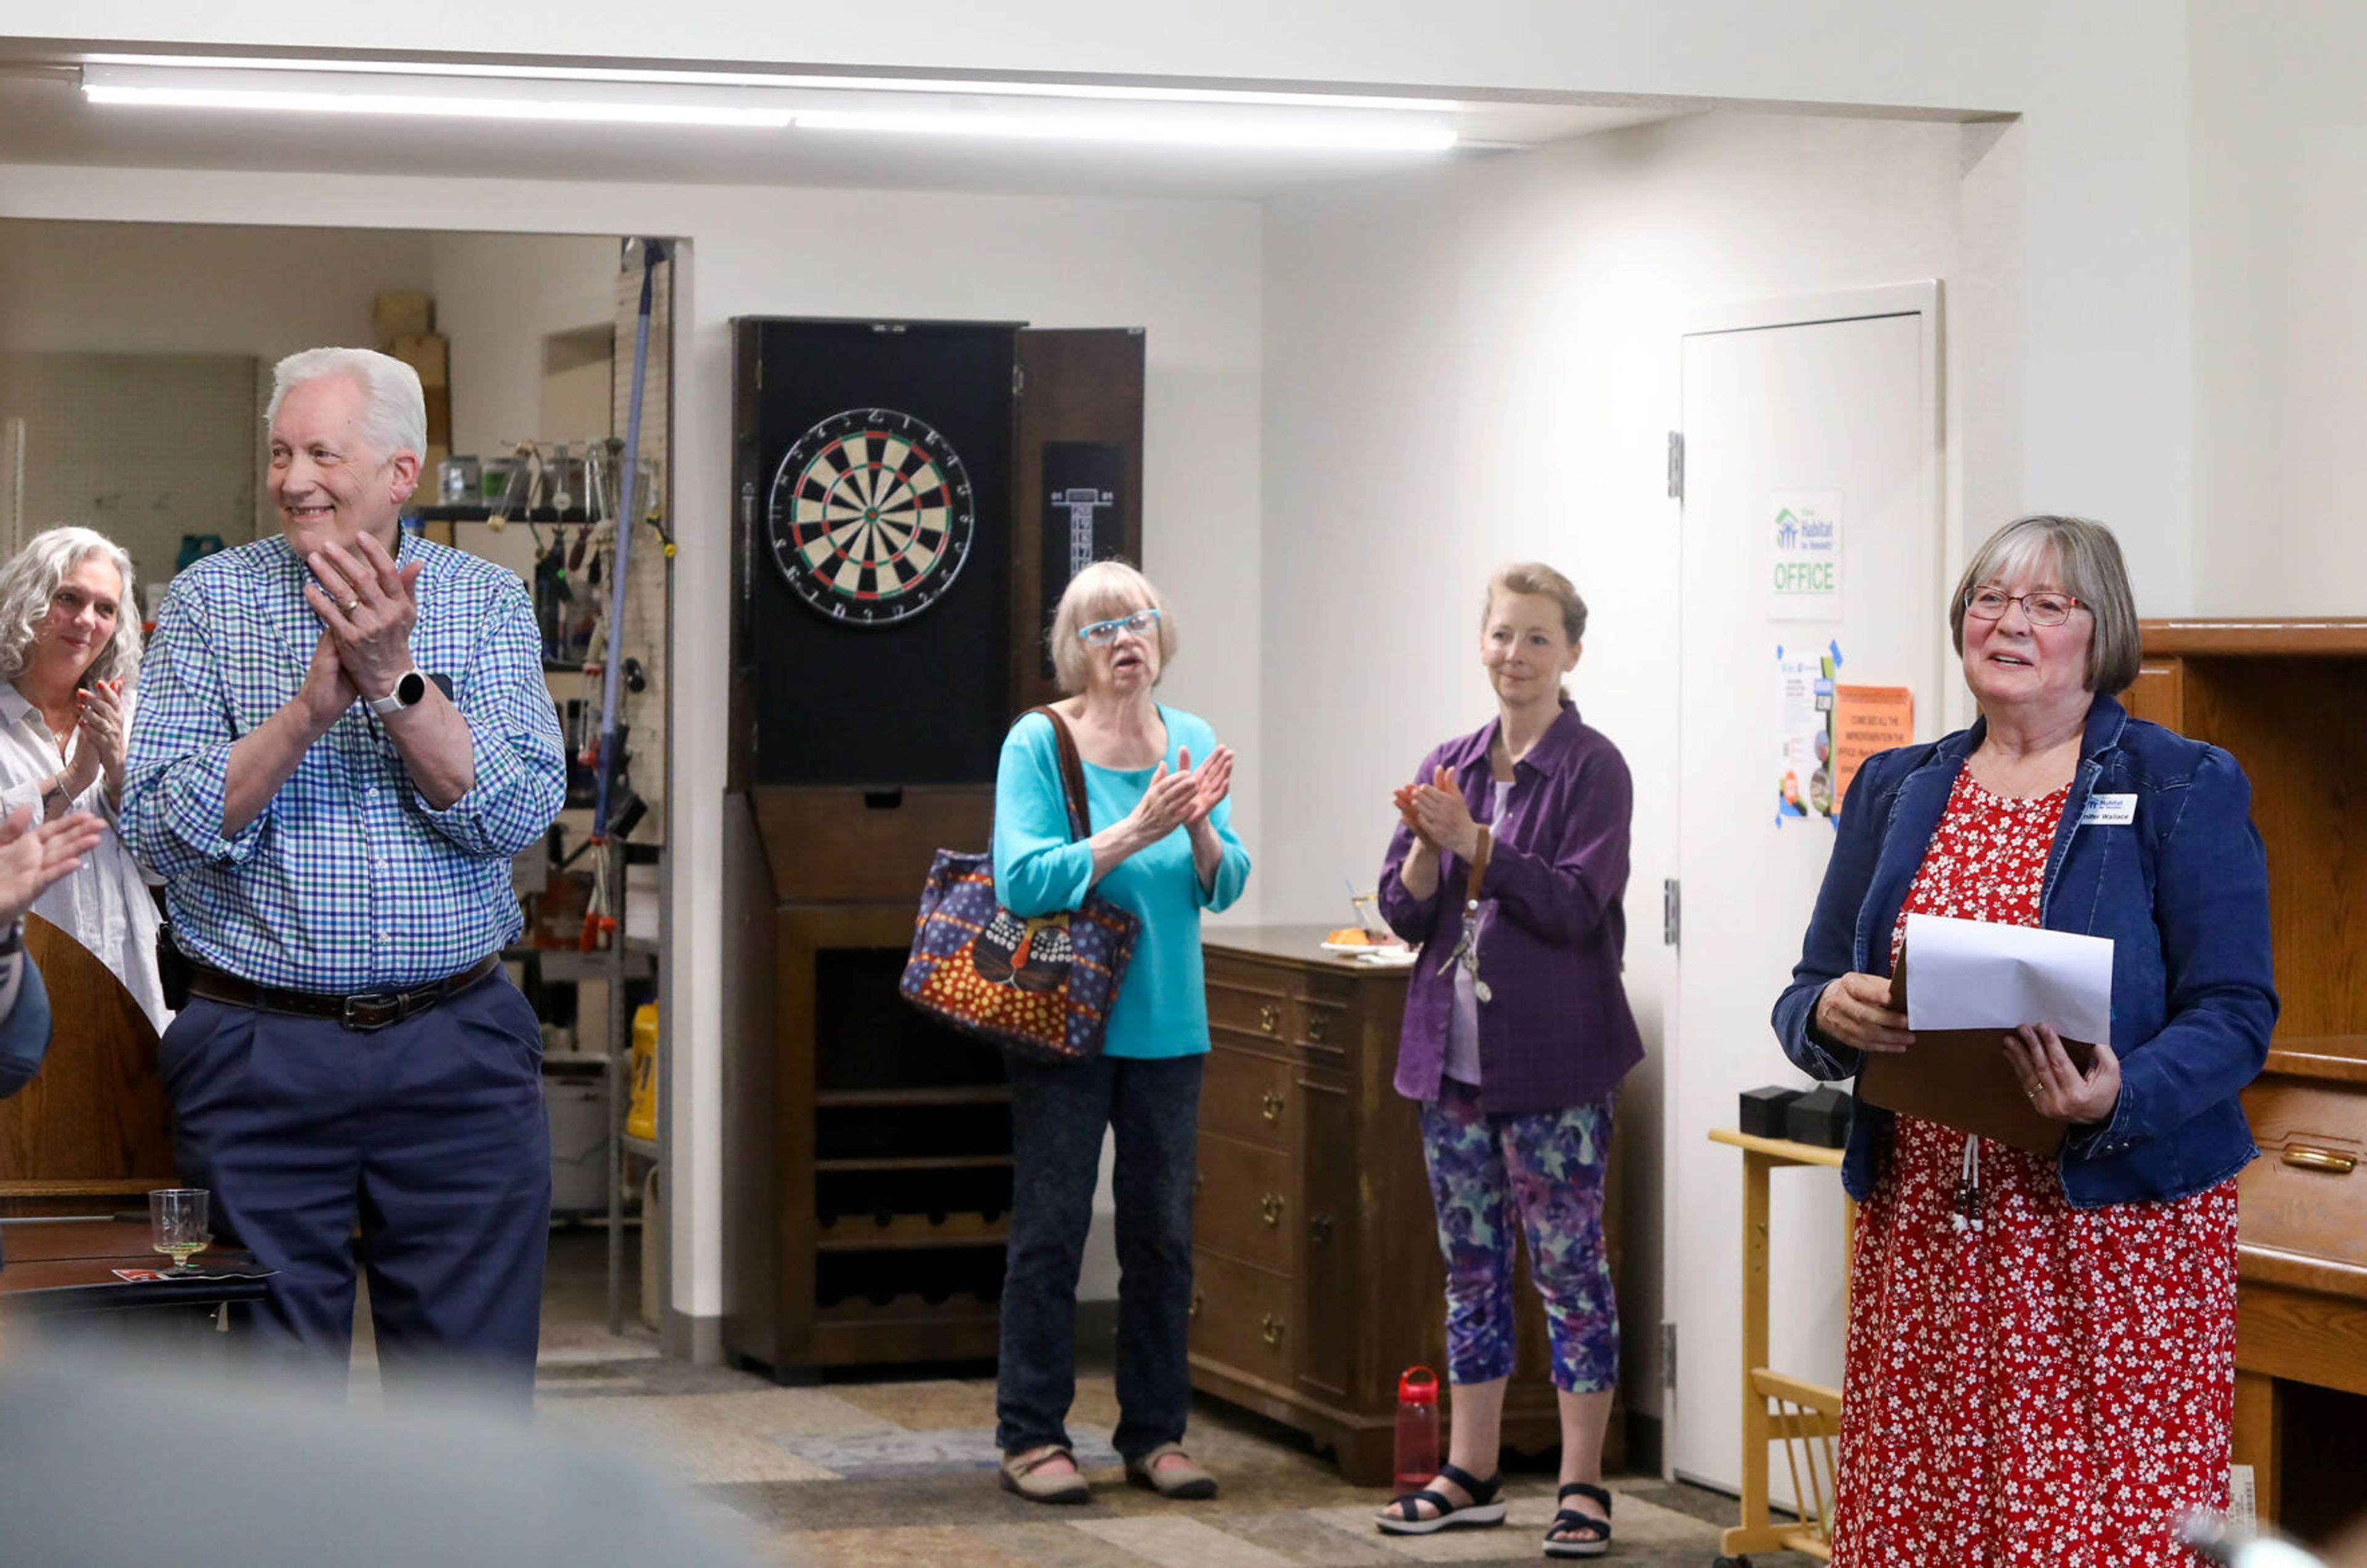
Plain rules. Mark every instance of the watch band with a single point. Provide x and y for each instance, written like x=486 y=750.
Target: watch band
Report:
x=58 y=792
x=410 y=690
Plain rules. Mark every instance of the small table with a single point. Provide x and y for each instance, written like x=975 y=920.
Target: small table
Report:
x=56 y=1266
x=1811 y=1413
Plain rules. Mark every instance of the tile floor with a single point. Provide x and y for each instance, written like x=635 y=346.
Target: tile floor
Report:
x=850 y=1474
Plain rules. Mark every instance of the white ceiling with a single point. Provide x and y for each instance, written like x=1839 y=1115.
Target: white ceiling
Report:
x=44 y=119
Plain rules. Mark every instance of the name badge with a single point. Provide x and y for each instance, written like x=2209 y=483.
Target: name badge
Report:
x=2109 y=811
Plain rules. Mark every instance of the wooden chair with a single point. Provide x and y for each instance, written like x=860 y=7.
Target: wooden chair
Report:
x=93 y=1127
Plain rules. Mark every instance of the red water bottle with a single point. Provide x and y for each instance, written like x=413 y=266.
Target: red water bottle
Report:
x=1417 y=1456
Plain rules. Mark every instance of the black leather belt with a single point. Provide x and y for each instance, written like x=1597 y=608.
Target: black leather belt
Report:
x=371 y=1011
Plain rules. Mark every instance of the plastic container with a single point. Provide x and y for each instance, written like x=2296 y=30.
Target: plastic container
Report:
x=641 y=1110
x=1417 y=1448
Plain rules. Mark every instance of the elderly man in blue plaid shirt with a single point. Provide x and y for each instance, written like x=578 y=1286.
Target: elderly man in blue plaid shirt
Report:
x=343 y=737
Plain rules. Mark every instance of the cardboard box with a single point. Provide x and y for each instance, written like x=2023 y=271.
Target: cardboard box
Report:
x=399 y=313
x=428 y=352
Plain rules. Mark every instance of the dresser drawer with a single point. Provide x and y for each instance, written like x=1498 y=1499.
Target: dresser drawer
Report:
x=1244 y=1205
x=1247 y=1096
x=1241 y=1319
x=1248 y=1009
x=2307 y=1193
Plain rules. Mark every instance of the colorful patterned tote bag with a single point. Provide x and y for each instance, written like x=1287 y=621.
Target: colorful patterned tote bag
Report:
x=1040 y=988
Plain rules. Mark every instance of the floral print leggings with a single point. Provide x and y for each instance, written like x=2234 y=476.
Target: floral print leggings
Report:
x=1548 y=1167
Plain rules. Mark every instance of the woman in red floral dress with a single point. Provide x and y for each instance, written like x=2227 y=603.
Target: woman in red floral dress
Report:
x=2041 y=1356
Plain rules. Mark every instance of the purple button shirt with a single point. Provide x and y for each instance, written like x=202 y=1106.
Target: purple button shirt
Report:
x=1557 y=1031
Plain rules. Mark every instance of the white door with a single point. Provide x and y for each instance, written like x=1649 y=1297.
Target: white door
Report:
x=1839 y=407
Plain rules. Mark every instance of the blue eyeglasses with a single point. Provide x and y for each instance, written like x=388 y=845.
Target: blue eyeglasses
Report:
x=1101 y=633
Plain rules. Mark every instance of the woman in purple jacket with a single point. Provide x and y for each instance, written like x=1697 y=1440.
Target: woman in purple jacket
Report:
x=1507 y=868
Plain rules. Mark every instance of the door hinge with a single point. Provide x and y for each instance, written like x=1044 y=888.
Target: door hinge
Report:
x=1672 y=912
x=1676 y=464
x=1018 y=379
x=1668 y=1356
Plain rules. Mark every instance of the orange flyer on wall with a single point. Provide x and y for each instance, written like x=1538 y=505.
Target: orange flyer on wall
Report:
x=1867 y=719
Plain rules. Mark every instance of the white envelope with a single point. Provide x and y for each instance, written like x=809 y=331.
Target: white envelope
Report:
x=1972 y=974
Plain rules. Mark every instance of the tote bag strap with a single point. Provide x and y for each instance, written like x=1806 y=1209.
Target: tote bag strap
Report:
x=1072 y=774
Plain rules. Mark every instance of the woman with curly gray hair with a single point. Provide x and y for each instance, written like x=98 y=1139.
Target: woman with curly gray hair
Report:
x=69 y=660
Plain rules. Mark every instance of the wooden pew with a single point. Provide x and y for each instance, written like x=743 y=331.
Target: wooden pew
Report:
x=91 y=1134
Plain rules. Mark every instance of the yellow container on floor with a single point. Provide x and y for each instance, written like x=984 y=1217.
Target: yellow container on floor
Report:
x=642 y=1111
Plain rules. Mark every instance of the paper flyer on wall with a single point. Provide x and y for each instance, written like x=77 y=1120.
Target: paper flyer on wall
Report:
x=1866 y=720
x=1804 y=699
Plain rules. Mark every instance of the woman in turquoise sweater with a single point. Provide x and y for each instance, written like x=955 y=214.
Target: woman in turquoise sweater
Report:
x=1162 y=847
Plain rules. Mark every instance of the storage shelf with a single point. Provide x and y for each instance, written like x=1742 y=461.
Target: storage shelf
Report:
x=906 y=1308
x=938 y=1162
x=545 y=515
x=573 y=964
x=864 y=1233
x=855 y=1098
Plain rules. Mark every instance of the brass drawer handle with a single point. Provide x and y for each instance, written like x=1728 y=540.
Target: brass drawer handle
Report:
x=1199 y=1300
x=2308 y=1158
x=1270 y=1209
x=1269 y=1017
x=1319 y=1227
x=1272 y=1106
x=1318 y=1025
x=1270 y=1329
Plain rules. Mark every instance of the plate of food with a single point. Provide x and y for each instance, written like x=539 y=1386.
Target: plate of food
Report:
x=1354 y=941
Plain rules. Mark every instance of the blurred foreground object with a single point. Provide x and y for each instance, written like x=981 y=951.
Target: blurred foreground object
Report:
x=132 y=1465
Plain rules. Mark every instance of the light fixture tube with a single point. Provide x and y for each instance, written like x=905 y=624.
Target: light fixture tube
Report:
x=980 y=87
x=433 y=107
x=1358 y=136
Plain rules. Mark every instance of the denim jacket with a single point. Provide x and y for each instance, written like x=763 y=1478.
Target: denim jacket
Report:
x=2182 y=891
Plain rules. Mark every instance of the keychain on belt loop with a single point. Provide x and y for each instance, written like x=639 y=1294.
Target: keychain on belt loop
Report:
x=1466 y=948
x=1967 y=1217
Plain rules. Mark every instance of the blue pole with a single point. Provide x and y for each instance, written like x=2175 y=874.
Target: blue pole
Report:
x=652 y=252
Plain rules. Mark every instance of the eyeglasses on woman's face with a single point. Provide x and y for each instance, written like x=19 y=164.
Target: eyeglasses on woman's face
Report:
x=1101 y=633
x=2044 y=608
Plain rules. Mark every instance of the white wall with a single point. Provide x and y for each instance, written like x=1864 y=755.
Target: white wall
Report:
x=1480 y=365
x=114 y=288
x=1186 y=271
x=496 y=297
x=2281 y=318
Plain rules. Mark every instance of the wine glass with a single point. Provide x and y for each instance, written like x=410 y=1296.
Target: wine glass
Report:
x=176 y=1224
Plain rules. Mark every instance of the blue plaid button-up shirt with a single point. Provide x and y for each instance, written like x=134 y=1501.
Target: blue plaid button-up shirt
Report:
x=347 y=881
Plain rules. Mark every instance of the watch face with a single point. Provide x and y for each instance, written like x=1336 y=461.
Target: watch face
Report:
x=412 y=688
x=871 y=516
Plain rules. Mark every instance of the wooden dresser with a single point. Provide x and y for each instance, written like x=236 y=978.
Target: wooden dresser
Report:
x=2289 y=700
x=1317 y=1274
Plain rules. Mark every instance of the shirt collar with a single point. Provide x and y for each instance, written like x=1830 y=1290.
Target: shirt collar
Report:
x=1555 y=749
x=14 y=706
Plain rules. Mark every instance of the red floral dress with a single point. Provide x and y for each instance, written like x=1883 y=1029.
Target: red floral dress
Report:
x=2052 y=1388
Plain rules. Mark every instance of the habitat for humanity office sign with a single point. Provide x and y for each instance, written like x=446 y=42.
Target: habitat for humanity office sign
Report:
x=1805 y=582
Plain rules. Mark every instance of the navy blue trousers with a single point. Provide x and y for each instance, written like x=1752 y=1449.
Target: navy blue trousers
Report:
x=427 y=1135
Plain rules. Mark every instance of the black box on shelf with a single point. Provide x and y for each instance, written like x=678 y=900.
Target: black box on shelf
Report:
x=1763 y=1110
x=1820 y=1117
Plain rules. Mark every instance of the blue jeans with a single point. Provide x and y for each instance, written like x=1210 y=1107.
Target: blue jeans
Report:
x=1057 y=1117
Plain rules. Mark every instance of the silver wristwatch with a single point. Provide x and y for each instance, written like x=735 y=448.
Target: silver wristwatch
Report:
x=57 y=791
x=410 y=690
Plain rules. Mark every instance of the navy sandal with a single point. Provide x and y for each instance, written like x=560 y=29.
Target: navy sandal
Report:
x=1576 y=1534
x=1483 y=1510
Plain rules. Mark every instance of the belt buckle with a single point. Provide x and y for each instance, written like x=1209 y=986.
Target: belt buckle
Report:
x=372 y=1012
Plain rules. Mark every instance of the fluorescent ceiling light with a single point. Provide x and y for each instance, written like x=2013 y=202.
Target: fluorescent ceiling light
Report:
x=1361 y=136
x=434 y=108
x=973 y=86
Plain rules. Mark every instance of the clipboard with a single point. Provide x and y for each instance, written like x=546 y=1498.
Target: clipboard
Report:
x=1961 y=1078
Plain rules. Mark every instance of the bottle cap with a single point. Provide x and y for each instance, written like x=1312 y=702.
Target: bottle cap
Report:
x=1418 y=1386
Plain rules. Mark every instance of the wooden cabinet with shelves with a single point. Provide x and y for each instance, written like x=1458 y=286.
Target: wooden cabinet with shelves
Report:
x=1316 y=1278
x=2288 y=699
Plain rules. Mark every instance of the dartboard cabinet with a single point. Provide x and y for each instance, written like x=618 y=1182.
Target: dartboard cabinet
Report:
x=910 y=499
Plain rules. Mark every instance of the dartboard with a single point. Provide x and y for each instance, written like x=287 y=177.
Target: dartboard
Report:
x=871 y=516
